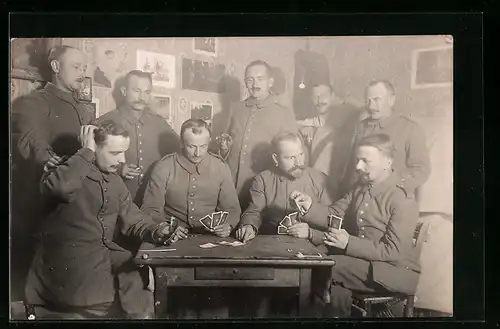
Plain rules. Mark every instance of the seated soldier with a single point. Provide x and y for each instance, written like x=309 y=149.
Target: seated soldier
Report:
x=73 y=273
x=375 y=243
x=270 y=191
x=192 y=184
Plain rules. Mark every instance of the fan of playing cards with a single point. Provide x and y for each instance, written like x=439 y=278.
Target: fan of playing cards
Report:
x=215 y=219
x=288 y=221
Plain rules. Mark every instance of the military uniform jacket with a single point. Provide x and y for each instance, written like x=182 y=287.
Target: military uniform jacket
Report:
x=381 y=221
x=252 y=126
x=411 y=157
x=151 y=138
x=72 y=265
x=270 y=199
x=188 y=192
x=50 y=119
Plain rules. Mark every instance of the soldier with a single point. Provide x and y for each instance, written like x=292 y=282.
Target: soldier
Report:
x=48 y=122
x=374 y=249
x=254 y=122
x=411 y=156
x=191 y=184
x=73 y=273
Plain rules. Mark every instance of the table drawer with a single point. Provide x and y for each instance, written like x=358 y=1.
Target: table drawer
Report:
x=233 y=273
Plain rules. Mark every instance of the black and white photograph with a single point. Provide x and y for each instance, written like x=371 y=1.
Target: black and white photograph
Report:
x=205 y=46
x=222 y=206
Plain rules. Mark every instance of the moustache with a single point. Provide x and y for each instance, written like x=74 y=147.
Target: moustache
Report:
x=140 y=103
x=297 y=167
x=256 y=89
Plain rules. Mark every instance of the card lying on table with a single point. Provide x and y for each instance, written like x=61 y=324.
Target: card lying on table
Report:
x=207 y=245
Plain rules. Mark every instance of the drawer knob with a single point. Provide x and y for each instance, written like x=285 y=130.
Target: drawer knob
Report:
x=235 y=271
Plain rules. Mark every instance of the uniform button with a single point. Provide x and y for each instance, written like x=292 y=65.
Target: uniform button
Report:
x=51 y=269
x=140 y=135
x=362 y=236
x=245 y=145
x=191 y=217
x=105 y=238
x=101 y=219
x=65 y=268
x=105 y=228
x=194 y=186
x=192 y=194
x=361 y=212
x=249 y=130
x=140 y=151
x=366 y=204
x=140 y=143
x=244 y=153
x=362 y=228
x=141 y=175
x=194 y=178
x=106 y=201
x=242 y=162
x=402 y=179
x=140 y=159
x=73 y=245
x=105 y=190
x=191 y=202
x=192 y=209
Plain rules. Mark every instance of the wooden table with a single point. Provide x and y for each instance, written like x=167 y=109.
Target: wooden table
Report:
x=267 y=261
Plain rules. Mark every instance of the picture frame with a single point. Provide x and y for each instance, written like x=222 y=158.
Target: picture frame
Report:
x=206 y=46
x=203 y=76
x=95 y=105
x=84 y=94
x=161 y=66
x=162 y=105
x=202 y=110
x=432 y=67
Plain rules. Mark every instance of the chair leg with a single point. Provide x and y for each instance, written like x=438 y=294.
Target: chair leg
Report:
x=410 y=303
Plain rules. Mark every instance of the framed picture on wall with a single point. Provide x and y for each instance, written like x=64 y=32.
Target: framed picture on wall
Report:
x=432 y=67
x=206 y=46
x=161 y=67
x=202 y=76
x=85 y=92
x=162 y=104
x=202 y=110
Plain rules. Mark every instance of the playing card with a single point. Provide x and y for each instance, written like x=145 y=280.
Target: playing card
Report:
x=297 y=205
x=282 y=229
x=294 y=218
x=236 y=243
x=172 y=221
x=206 y=221
x=223 y=219
x=225 y=242
x=335 y=222
x=286 y=222
x=216 y=217
x=207 y=245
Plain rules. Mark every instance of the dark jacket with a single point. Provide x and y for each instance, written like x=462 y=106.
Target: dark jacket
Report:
x=73 y=262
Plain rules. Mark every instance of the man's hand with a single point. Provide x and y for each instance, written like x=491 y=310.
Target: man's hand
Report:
x=299 y=230
x=301 y=200
x=336 y=238
x=53 y=162
x=87 y=137
x=129 y=171
x=308 y=134
x=245 y=233
x=223 y=230
x=163 y=233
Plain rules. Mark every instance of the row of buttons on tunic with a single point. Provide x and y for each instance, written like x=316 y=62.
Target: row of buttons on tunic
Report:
x=360 y=221
x=191 y=202
x=252 y=116
x=140 y=151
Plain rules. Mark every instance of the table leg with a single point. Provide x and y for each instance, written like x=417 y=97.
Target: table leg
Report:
x=161 y=293
x=304 y=291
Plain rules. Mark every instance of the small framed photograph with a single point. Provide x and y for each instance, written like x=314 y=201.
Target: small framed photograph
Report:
x=206 y=46
x=162 y=104
x=183 y=104
x=95 y=106
x=202 y=110
x=85 y=92
x=161 y=66
x=432 y=67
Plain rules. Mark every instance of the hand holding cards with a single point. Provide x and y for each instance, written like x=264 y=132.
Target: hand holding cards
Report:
x=288 y=221
x=335 y=222
x=210 y=222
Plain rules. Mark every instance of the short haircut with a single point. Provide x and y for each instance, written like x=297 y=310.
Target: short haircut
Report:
x=285 y=136
x=137 y=73
x=388 y=86
x=381 y=142
x=106 y=128
x=323 y=84
x=56 y=52
x=196 y=126
x=268 y=67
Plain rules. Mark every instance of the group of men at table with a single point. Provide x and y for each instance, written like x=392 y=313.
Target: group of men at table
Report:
x=109 y=184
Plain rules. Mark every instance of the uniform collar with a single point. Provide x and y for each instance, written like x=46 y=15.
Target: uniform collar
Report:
x=65 y=96
x=269 y=101
x=383 y=186
x=384 y=123
x=127 y=112
x=97 y=175
x=192 y=168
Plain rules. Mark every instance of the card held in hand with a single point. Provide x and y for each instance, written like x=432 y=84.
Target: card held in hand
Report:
x=286 y=222
x=216 y=217
x=207 y=222
x=335 y=222
x=282 y=229
x=224 y=217
x=294 y=218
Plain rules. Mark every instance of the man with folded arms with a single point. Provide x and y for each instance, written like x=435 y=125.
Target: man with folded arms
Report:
x=374 y=248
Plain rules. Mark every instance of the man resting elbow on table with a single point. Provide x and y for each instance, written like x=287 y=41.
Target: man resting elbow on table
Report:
x=375 y=243
x=270 y=191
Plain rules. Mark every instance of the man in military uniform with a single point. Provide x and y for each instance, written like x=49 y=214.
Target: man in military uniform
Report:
x=320 y=132
x=254 y=122
x=411 y=156
x=48 y=122
x=270 y=203
x=375 y=241
x=191 y=184
x=73 y=273
x=151 y=137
